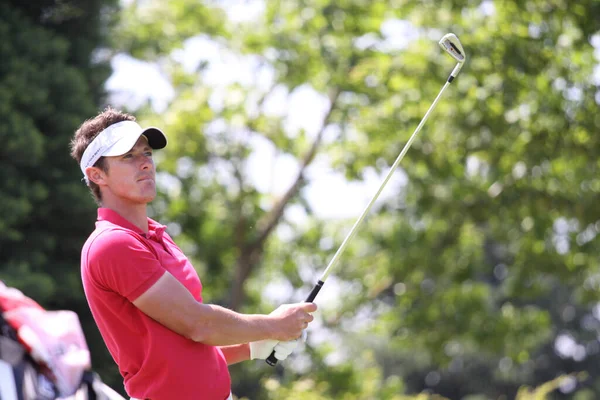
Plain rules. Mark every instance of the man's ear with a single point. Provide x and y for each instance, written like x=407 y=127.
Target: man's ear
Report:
x=95 y=175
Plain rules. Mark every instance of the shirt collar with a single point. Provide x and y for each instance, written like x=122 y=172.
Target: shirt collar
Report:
x=154 y=228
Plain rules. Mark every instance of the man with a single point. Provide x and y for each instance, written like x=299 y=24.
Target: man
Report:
x=144 y=294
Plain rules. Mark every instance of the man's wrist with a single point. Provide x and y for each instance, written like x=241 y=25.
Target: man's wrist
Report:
x=264 y=324
x=246 y=350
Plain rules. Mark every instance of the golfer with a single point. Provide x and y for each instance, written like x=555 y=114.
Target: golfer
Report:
x=145 y=295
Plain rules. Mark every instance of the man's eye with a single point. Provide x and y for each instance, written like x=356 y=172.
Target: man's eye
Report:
x=128 y=155
x=149 y=153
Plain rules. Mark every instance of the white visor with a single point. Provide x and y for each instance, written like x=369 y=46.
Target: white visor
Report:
x=117 y=140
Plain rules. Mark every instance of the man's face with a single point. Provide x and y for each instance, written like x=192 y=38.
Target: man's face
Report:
x=130 y=177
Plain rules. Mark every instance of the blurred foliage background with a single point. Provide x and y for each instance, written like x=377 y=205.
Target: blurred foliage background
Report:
x=476 y=276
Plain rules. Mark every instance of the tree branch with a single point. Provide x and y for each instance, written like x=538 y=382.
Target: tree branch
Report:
x=270 y=221
x=252 y=252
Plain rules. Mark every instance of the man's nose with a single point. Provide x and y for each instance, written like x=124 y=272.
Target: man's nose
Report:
x=146 y=163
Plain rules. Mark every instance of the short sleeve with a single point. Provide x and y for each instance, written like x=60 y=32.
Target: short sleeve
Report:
x=121 y=262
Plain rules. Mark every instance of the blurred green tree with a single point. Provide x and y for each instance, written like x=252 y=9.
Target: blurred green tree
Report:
x=52 y=78
x=478 y=272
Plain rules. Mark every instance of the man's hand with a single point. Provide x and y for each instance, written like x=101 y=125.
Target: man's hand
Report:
x=290 y=320
x=263 y=348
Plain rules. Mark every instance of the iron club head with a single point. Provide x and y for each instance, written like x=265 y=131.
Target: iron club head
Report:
x=452 y=46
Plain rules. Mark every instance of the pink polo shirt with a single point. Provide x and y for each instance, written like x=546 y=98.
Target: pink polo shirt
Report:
x=119 y=263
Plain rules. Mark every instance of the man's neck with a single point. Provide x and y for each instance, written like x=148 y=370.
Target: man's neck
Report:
x=135 y=213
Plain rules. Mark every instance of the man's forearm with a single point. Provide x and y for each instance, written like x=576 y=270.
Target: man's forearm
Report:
x=219 y=326
x=171 y=304
x=237 y=353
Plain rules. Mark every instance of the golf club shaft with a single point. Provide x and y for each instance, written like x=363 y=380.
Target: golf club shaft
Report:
x=272 y=360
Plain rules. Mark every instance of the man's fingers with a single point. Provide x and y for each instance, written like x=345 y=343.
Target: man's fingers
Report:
x=282 y=353
x=261 y=349
x=293 y=318
x=310 y=307
x=284 y=349
x=288 y=346
x=281 y=356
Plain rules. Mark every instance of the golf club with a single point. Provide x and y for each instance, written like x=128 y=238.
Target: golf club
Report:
x=452 y=46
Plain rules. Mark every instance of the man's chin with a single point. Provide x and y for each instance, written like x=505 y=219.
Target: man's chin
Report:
x=146 y=198
x=149 y=198
x=148 y=191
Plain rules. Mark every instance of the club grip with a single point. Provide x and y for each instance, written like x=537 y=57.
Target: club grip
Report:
x=272 y=360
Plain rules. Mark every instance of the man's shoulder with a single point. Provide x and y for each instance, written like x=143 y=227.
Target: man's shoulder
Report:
x=109 y=238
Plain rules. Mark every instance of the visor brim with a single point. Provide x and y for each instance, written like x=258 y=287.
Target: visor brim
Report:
x=156 y=140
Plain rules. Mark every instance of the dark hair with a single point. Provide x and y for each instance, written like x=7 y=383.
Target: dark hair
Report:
x=87 y=132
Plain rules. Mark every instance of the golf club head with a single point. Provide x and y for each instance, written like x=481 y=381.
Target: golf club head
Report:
x=452 y=46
